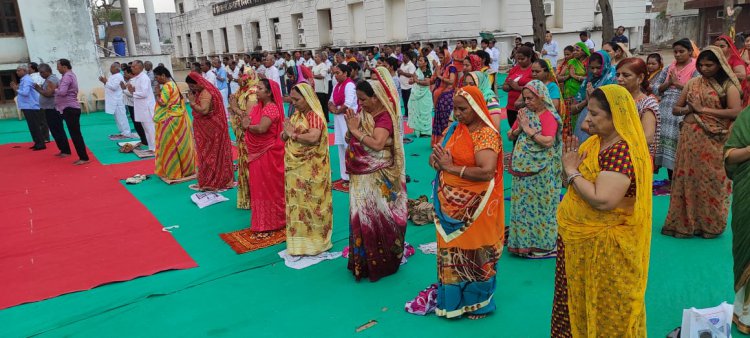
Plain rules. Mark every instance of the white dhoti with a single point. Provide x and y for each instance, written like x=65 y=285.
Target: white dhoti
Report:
x=339 y=133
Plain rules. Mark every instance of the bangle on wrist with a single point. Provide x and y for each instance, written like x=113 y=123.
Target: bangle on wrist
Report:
x=461 y=175
x=573 y=177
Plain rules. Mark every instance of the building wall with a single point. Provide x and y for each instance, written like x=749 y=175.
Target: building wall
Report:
x=162 y=24
x=425 y=20
x=47 y=40
x=14 y=51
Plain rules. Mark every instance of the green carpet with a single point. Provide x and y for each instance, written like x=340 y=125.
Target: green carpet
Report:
x=255 y=295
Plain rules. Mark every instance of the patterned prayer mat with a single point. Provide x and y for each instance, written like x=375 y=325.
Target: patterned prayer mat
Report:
x=179 y=180
x=243 y=241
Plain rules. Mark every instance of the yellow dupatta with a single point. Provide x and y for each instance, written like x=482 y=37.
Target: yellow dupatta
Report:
x=607 y=252
x=174 y=106
x=297 y=154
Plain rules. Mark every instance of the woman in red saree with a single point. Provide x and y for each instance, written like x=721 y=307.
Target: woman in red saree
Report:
x=266 y=160
x=738 y=65
x=212 y=141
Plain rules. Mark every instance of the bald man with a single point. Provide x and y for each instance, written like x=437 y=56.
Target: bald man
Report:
x=114 y=103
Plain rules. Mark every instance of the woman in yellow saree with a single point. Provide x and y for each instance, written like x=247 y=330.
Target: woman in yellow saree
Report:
x=308 y=175
x=469 y=213
x=175 y=147
x=605 y=224
x=240 y=104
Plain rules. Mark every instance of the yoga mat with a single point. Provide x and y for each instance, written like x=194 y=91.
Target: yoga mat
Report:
x=69 y=228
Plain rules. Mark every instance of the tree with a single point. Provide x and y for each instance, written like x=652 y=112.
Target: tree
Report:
x=539 y=23
x=608 y=21
x=104 y=13
x=730 y=17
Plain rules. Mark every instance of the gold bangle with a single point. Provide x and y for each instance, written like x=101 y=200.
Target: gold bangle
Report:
x=461 y=175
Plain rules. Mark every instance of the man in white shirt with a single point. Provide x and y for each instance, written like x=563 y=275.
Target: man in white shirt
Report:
x=494 y=56
x=432 y=57
x=114 y=103
x=339 y=118
x=144 y=102
x=585 y=39
x=309 y=61
x=207 y=72
x=320 y=75
x=298 y=58
x=405 y=73
x=234 y=76
x=271 y=72
x=550 y=50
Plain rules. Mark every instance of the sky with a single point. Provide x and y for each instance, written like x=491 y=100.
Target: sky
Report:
x=160 y=6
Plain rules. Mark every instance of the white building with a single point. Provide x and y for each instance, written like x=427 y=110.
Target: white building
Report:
x=204 y=28
x=45 y=31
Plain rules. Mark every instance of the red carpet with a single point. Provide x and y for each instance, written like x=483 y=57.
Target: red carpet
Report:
x=69 y=228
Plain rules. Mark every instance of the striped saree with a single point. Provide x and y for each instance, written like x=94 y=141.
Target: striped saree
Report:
x=175 y=148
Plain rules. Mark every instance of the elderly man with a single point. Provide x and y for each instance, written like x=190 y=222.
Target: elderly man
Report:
x=66 y=102
x=149 y=68
x=208 y=73
x=47 y=104
x=221 y=83
x=271 y=72
x=28 y=102
x=114 y=103
x=143 y=102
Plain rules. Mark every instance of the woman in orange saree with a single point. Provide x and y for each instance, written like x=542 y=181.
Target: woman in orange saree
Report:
x=469 y=213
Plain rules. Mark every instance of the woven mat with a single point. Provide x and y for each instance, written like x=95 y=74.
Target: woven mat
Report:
x=243 y=241
x=143 y=153
x=179 y=180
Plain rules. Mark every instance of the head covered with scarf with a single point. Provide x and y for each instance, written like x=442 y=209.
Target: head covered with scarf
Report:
x=483 y=83
x=308 y=93
x=724 y=64
x=248 y=82
x=386 y=92
x=476 y=62
x=259 y=144
x=539 y=89
x=476 y=100
x=605 y=76
x=217 y=101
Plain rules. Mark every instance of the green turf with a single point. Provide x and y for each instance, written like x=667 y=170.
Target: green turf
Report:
x=255 y=295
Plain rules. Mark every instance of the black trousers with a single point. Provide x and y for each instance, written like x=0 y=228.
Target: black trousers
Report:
x=55 y=124
x=34 y=119
x=405 y=94
x=138 y=126
x=72 y=117
x=323 y=98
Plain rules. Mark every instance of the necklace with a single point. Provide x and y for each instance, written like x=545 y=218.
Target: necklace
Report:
x=609 y=143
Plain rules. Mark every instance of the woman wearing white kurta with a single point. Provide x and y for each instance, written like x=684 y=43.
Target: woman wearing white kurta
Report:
x=343 y=97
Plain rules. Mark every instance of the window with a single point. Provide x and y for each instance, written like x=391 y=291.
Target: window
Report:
x=181 y=8
x=10 y=20
x=6 y=92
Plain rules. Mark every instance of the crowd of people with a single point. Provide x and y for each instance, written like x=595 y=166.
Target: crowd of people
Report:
x=597 y=122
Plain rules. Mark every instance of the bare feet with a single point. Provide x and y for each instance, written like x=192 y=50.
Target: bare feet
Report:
x=81 y=162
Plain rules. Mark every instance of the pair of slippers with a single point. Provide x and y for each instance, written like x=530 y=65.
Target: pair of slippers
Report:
x=138 y=178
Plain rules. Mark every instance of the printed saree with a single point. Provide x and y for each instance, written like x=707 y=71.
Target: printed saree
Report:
x=469 y=220
x=309 y=212
x=699 y=201
x=420 y=107
x=606 y=253
x=175 y=147
x=377 y=194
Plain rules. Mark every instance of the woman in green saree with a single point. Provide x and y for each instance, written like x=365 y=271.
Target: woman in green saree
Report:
x=572 y=75
x=737 y=164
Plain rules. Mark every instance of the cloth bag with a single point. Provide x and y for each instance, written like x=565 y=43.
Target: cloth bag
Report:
x=715 y=322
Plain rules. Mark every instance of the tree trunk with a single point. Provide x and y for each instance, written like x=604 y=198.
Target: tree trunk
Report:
x=539 y=23
x=608 y=22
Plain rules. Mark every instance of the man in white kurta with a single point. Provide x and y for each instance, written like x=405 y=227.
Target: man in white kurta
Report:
x=113 y=102
x=144 y=102
x=339 y=123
